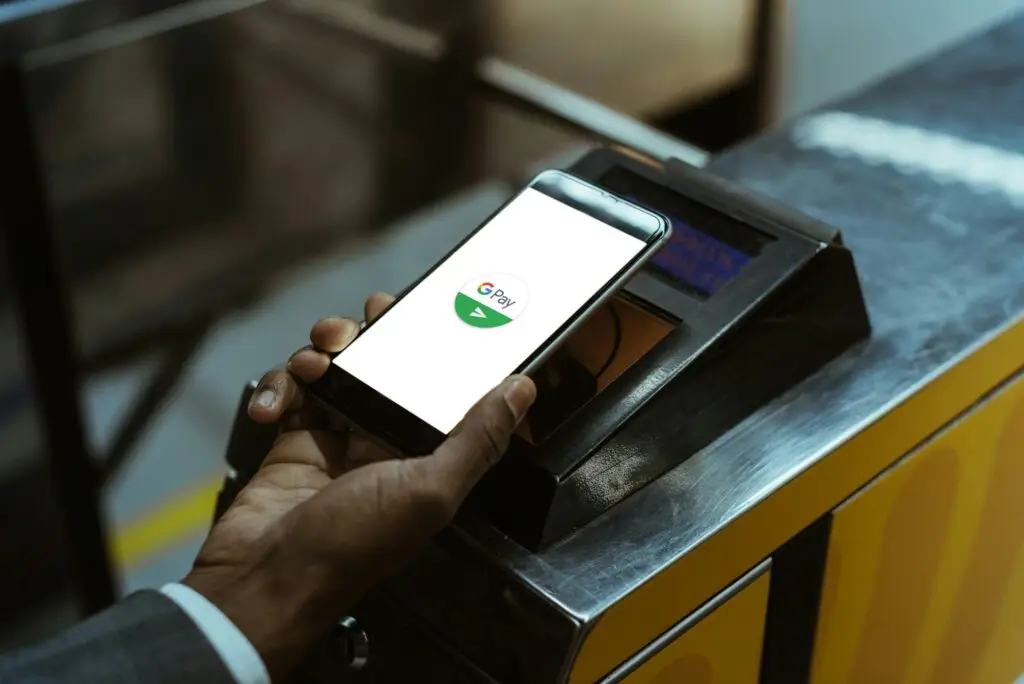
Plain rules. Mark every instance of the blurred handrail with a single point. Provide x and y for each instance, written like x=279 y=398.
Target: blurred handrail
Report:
x=498 y=77
x=46 y=32
x=163 y=16
x=527 y=90
x=38 y=26
x=362 y=22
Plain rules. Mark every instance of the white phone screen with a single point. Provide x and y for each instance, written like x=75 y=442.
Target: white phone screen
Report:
x=488 y=307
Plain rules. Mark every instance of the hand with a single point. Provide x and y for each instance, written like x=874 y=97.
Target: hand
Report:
x=329 y=515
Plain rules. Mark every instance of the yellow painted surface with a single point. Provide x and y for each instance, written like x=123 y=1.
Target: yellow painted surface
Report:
x=723 y=648
x=160 y=529
x=1002 y=660
x=925 y=577
x=697 y=576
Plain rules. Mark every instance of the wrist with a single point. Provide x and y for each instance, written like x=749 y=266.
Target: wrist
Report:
x=272 y=614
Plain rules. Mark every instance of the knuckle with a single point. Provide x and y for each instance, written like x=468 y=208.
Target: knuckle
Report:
x=268 y=379
x=494 y=426
x=494 y=442
x=431 y=499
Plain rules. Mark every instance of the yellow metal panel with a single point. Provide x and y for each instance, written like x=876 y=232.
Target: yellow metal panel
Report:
x=923 y=581
x=679 y=589
x=723 y=648
x=1002 y=662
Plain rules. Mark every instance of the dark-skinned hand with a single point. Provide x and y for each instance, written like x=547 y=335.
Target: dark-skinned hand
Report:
x=329 y=514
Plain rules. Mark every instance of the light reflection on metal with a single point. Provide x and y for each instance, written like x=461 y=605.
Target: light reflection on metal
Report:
x=913 y=150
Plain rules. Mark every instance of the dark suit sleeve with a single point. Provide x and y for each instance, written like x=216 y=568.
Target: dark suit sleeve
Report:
x=145 y=638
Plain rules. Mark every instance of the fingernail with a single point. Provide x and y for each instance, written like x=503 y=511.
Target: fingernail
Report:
x=265 y=398
x=519 y=395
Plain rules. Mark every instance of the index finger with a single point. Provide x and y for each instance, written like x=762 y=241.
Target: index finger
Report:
x=376 y=303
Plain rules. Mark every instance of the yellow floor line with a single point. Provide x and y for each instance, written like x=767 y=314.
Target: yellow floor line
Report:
x=170 y=522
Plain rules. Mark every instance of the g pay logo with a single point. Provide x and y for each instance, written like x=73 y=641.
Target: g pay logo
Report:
x=491 y=302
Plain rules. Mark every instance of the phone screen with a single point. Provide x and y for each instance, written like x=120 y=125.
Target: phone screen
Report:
x=488 y=307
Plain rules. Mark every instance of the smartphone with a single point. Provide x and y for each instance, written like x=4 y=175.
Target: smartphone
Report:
x=500 y=303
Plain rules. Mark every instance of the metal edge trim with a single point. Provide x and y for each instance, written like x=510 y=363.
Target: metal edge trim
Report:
x=677 y=630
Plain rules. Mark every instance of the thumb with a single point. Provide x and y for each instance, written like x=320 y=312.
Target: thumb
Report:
x=482 y=437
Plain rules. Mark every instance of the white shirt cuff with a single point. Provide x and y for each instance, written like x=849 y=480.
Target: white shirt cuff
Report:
x=235 y=651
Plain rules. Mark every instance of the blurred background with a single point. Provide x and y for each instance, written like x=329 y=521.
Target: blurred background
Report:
x=221 y=173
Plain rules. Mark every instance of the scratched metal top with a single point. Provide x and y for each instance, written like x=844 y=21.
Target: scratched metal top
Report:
x=941 y=258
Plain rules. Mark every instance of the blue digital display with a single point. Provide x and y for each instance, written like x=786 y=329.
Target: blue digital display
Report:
x=699 y=260
x=707 y=250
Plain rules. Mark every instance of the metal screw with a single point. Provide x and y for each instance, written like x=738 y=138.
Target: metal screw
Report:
x=350 y=644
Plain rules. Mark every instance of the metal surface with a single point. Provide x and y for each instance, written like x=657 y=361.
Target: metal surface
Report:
x=351 y=645
x=942 y=269
x=45 y=314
